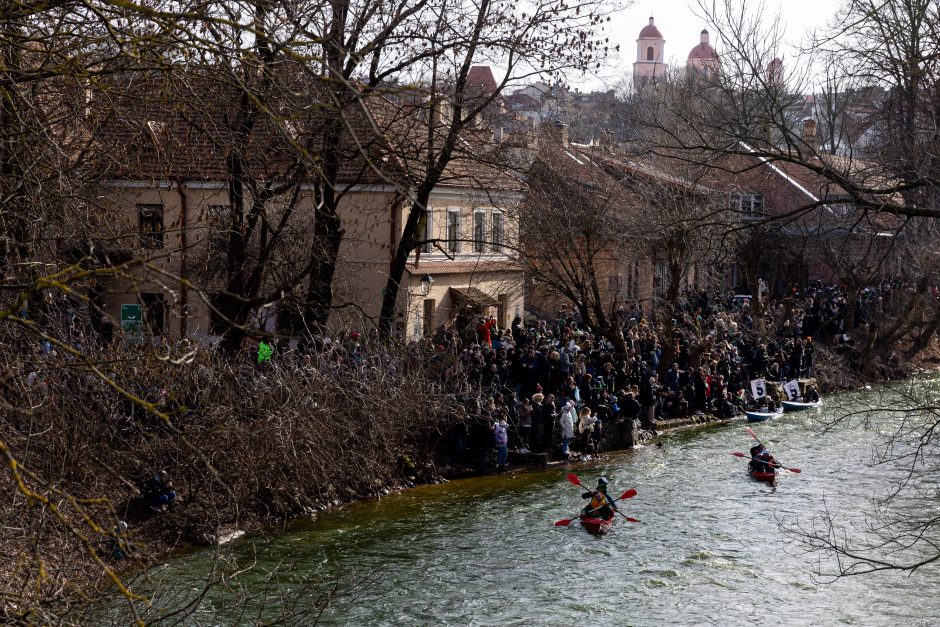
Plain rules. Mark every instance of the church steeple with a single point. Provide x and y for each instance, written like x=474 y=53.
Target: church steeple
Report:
x=649 y=55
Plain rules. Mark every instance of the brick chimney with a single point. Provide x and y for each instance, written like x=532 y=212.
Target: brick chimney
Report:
x=555 y=131
x=809 y=132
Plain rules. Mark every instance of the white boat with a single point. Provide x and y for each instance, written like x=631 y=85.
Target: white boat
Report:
x=799 y=405
x=760 y=416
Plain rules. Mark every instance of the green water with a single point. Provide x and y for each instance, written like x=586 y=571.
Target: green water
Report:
x=709 y=550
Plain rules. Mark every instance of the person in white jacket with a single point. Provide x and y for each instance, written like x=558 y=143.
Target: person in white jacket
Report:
x=585 y=427
x=566 y=421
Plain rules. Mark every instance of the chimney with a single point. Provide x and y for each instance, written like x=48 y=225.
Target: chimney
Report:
x=775 y=73
x=556 y=131
x=809 y=132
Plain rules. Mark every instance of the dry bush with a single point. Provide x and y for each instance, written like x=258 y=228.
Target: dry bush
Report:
x=244 y=444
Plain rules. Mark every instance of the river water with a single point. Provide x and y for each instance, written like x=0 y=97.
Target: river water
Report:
x=711 y=547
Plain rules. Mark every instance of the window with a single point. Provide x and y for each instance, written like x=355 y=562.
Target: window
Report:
x=218 y=217
x=749 y=205
x=150 y=225
x=614 y=285
x=497 y=231
x=661 y=272
x=428 y=234
x=419 y=330
x=154 y=312
x=479 y=231
x=650 y=54
x=635 y=283
x=453 y=230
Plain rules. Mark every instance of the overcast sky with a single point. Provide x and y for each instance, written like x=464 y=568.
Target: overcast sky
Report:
x=680 y=22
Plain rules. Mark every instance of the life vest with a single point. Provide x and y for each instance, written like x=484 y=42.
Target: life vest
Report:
x=598 y=500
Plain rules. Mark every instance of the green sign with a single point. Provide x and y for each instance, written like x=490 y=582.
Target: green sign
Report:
x=132 y=317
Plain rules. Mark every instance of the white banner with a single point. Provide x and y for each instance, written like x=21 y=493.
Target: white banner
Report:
x=792 y=388
x=758 y=388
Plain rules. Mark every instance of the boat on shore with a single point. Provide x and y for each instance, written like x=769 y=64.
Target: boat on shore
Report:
x=799 y=405
x=596 y=526
x=761 y=416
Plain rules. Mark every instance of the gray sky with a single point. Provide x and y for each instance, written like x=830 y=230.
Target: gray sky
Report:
x=680 y=22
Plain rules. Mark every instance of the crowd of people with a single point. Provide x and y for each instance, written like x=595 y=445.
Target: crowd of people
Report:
x=559 y=388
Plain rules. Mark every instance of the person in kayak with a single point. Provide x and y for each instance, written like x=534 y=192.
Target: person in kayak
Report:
x=600 y=506
x=810 y=395
x=761 y=459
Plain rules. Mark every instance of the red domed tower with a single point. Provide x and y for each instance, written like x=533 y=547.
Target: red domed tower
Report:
x=649 y=55
x=703 y=59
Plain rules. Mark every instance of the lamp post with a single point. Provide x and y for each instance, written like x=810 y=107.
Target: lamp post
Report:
x=426 y=282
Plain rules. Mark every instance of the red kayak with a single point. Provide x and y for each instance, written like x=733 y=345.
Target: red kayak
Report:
x=766 y=477
x=597 y=526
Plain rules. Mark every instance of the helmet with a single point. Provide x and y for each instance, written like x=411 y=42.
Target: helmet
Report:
x=602 y=481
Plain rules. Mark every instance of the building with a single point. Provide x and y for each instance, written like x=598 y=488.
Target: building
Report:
x=650 y=60
x=165 y=204
x=650 y=64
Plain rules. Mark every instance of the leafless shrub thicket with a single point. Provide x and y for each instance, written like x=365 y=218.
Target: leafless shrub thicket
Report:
x=243 y=443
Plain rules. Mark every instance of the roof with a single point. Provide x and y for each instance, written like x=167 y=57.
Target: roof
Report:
x=480 y=77
x=155 y=128
x=152 y=128
x=650 y=31
x=703 y=51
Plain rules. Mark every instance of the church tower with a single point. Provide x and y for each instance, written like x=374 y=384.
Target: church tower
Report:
x=649 y=56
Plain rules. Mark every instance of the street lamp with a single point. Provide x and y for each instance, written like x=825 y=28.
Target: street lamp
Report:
x=426 y=282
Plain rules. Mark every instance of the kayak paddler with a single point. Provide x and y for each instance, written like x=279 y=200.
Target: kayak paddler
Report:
x=600 y=506
x=761 y=459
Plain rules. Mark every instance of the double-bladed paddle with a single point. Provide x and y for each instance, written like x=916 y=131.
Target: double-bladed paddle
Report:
x=573 y=478
x=779 y=465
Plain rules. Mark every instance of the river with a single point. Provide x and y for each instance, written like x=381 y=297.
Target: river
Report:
x=710 y=548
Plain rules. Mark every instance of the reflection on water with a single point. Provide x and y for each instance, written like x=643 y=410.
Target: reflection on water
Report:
x=709 y=549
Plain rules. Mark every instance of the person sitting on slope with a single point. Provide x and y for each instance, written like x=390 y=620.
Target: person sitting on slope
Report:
x=600 y=506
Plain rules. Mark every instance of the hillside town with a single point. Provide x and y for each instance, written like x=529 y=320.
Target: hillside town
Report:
x=258 y=263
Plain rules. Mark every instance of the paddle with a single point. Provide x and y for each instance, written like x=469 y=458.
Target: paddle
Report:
x=629 y=494
x=779 y=465
x=754 y=435
x=573 y=478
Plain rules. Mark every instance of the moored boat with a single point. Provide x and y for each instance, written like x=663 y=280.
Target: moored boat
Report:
x=799 y=405
x=761 y=416
x=596 y=526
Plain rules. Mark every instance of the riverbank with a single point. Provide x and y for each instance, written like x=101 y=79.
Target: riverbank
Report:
x=250 y=449
x=709 y=550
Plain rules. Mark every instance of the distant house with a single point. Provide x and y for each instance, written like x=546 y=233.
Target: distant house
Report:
x=165 y=188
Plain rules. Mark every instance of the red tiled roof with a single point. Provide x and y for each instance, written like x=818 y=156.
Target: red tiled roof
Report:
x=157 y=129
x=480 y=77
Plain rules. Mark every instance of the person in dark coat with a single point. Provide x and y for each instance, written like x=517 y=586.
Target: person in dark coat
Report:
x=548 y=415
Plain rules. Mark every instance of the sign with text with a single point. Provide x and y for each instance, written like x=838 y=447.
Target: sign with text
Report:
x=792 y=388
x=758 y=388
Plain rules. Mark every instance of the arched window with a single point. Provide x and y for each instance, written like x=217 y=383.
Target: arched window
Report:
x=650 y=54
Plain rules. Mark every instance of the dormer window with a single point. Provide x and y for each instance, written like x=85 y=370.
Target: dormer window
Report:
x=750 y=206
